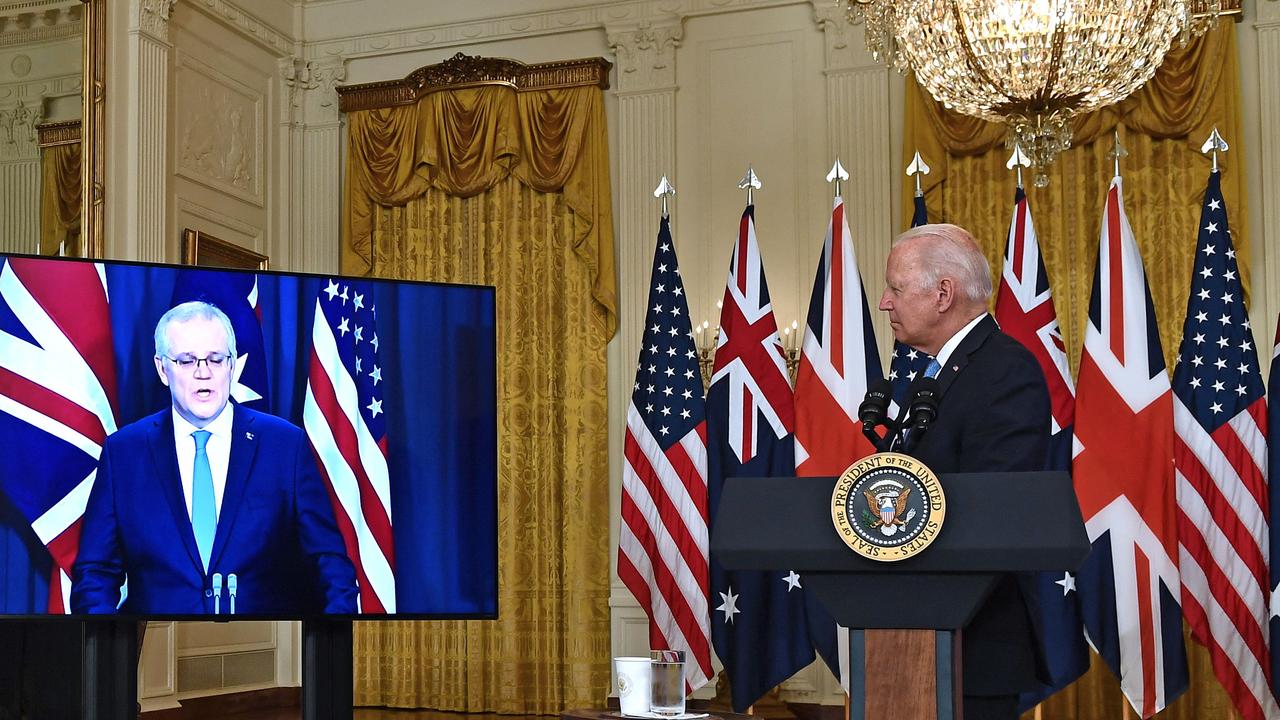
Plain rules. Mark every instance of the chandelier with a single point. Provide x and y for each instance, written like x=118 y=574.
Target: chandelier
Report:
x=1031 y=64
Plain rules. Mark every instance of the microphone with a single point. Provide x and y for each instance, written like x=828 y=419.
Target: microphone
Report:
x=874 y=410
x=231 y=590
x=217 y=593
x=922 y=408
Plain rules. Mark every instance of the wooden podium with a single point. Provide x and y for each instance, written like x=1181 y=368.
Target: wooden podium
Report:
x=907 y=663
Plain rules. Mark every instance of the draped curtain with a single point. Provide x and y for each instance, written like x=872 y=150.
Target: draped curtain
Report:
x=1162 y=126
x=493 y=186
x=60 y=199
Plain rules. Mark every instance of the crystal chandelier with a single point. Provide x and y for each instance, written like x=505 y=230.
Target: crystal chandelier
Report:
x=1032 y=64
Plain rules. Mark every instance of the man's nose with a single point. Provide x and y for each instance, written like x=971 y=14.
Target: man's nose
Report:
x=884 y=301
x=203 y=371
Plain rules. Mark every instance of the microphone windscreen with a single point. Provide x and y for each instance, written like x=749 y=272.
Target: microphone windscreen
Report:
x=876 y=402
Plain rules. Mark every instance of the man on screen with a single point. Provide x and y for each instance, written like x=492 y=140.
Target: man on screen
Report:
x=993 y=415
x=208 y=507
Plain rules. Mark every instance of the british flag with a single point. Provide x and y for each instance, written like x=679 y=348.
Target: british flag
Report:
x=758 y=627
x=839 y=361
x=58 y=399
x=662 y=540
x=1220 y=416
x=1025 y=311
x=344 y=420
x=1129 y=585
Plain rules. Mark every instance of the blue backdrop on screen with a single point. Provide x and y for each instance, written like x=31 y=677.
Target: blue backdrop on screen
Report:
x=436 y=344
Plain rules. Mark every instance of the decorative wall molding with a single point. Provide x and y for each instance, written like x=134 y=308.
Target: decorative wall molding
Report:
x=463 y=70
x=246 y=24
x=228 y=228
x=219 y=130
x=842 y=37
x=18 y=137
x=50 y=134
x=646 y=55
x=552 y=22
x=20 y=204
x=152 y=17
x=320 y=104
x=15 y=31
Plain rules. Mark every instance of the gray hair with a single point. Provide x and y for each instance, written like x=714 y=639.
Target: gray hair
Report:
x=951 y=252
x=193 y=310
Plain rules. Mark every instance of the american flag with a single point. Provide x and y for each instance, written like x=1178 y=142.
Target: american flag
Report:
x=839 y=361
x=906 y=362
x=662 y=541
x=758 y=626
x=1273 y=471
x=1129 y=585
x=1220 y=417
x=344 y=420
x=1025 y=310
x=58 y=399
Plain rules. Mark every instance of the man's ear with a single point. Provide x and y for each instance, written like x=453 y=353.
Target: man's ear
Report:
x=946 y=294
x=160 y=370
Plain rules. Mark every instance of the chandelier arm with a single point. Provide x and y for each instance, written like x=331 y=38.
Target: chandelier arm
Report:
x=970 y=58
x=1055 y=64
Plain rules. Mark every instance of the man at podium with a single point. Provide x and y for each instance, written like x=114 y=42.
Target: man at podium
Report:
x=993 y=415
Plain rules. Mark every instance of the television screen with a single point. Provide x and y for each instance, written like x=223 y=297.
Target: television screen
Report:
x=182 y=442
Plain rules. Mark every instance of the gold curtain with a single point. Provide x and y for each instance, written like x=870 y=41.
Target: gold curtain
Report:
x=60 y=199
x=1162 y=126
x=486 y=185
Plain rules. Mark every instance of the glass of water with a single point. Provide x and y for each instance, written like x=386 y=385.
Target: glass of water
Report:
x=667 y=675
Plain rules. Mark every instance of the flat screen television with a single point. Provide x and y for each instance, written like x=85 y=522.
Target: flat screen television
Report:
x=337 y=458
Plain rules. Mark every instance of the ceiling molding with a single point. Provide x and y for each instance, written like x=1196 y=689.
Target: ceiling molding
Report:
x=247 y=25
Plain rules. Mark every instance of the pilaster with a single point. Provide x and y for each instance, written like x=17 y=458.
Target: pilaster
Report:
x=146 y=203
x=315 y=173
x=1266 y=284
x=20 y=176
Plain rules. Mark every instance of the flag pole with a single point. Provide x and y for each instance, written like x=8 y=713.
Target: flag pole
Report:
x=664 y=190
x=1017 y=161
x=1214 y=145
x=837 y=175
x=750 y=182
x=1117 y=151
x=917 y=168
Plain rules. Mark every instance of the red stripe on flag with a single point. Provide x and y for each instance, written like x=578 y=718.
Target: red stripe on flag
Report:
x=1019 y=238
x=835 y=293
x=49 y=403
x=830 y=437
x=741 y=274
x=1142 y=568
x=369 y=602
x=1220 y=587
x=1224 y=515
x=1237 y=454
x=748 y=415
x=344 y=438
x=694 y=483
x=1223 y=668
x=72 y=295
x=1116 y=273
x=668 y=513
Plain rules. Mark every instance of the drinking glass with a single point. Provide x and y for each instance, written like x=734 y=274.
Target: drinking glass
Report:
x=667 y=672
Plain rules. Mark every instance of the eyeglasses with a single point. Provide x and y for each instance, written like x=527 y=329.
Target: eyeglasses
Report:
x=214 y=361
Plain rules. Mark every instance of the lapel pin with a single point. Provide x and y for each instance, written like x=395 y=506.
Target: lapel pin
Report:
x=955 y=368
x=248 y=436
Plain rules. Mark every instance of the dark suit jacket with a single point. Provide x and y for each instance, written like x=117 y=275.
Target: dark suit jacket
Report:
x=276 y=530
x=993 y=416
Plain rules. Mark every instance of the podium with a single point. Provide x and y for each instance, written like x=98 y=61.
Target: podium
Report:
x=907 y=664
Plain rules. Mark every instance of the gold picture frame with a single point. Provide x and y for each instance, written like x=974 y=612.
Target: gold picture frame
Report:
x=202 y=249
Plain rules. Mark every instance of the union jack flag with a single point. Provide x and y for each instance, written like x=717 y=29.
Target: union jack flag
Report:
x=906 y=362
x=58 y=399
x=1129 y=584
x=663 y=541
x=759 y=628
x=1025 y=310
x=344 y=420
x=839 y=361
x=1220 y=415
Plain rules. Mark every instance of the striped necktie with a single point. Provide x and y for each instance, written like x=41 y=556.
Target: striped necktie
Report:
x=204 y=513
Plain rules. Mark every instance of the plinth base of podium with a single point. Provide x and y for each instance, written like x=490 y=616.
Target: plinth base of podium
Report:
x=897 y=674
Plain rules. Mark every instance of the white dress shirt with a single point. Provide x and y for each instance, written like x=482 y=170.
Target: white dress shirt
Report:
x=218 y=449
x=950 y=346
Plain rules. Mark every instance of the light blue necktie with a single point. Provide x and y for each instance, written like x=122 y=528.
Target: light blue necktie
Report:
x=204 y=513
x=933 y=368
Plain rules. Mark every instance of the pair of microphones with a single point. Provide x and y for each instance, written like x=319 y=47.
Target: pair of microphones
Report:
x=217 y=592
x=914 y=417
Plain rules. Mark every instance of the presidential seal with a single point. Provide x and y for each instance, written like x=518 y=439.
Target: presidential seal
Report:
x=888 y=507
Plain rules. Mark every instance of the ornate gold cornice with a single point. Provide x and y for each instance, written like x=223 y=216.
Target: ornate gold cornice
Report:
x=462 y=71
x=58 y=133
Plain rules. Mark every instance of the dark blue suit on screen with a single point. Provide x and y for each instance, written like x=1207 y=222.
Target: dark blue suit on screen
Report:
x=276 y=530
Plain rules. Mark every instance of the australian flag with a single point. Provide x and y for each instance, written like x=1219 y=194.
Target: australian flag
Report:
x=1025 y=310
x=758 y=618
x=237 y=296
x=906 y=362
